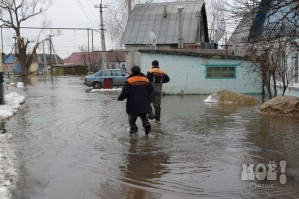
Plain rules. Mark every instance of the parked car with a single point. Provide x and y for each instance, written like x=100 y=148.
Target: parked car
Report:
x=97 y=80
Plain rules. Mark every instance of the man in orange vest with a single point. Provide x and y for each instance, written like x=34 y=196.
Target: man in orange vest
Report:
x=137 y=90
x=157 y=77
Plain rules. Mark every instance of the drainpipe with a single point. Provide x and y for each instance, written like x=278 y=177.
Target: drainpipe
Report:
x=198 y=29
x=1 y=81
x=180 y=38
x=296 y=68
x=165 y=11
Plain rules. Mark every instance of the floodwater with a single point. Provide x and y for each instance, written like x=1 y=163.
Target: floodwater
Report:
x=75 y=145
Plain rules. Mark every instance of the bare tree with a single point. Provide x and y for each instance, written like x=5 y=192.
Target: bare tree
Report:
x=271 y=28
x=13 y=13
x=215 y=13
x=92 y=59
x=270 y=19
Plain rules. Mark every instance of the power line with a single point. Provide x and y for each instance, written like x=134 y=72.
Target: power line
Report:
x=84 y=11
x=90 y=7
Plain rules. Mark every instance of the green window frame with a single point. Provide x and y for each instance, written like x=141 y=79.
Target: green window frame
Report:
x=221 y=72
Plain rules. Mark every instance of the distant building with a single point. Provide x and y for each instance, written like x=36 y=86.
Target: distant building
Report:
x=41 y=62
x=164 y=20
x=69 y=69
x=115 y=59
x=203 y=71
x=11 y=65
x=8 y=63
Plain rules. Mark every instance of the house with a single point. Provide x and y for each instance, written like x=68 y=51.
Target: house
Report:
x=276 y=23
x=9 y=62
x=11 y=65
x=168 y=25
x=239 y=40
x=114 y=59
x=41 y=62
x=69 y=69
x=202 y=71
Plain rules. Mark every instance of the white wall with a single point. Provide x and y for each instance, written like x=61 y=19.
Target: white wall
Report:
x=187 y=74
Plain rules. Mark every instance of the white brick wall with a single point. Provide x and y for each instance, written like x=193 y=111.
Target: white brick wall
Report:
x=187 y=74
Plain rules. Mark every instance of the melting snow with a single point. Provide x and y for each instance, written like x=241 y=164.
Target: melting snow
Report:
x=8 y=161
x=12 y=104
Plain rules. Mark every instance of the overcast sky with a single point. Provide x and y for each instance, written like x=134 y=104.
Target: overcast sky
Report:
x=64 y=14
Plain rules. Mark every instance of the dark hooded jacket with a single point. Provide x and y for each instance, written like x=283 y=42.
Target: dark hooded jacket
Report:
x=137 y=90
x=157 y=75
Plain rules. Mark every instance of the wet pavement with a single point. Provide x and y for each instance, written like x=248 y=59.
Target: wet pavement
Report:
x=75 y=145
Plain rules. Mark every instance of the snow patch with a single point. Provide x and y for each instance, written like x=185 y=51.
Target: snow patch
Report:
x=9 y=168
x=12 y=104
x=212 y=99
x=295 y=85
x=18 y=84
x=9 y=165
x=106 y=90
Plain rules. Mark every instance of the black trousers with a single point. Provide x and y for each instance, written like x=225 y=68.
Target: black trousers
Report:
x=133 y=118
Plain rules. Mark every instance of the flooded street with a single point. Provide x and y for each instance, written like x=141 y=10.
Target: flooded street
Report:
x=75 y=145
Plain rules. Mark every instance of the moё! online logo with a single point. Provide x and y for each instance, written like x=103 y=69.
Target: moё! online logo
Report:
x=263 y=172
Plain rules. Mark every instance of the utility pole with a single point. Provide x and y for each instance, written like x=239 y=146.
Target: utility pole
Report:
x=50 y=40
x=1 y=80
x=104 y=62
x=45 y=68
x=88 y=54
x=91 y=40
x=129 y=2
x=1 y=40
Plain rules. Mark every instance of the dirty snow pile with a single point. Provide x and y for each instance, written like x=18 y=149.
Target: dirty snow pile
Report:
x=106 y=90
x=230 y=97
x=281 y=105
x=9 y=176
x=18 y=84
x=12 y=104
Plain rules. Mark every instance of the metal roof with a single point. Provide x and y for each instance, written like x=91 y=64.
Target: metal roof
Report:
x=150 y=17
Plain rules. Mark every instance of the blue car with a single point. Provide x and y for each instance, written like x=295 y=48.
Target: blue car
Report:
x=97 y=80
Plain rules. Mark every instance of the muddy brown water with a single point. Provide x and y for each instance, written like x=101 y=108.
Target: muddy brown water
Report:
x=75 y=145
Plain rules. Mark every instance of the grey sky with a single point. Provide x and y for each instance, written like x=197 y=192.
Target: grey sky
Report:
x=64 y=13
x=71 y=14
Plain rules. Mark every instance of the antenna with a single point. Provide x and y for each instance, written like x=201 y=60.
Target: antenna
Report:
x=152 y=38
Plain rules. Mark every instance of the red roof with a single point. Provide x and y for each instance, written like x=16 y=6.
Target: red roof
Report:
x=80 y=58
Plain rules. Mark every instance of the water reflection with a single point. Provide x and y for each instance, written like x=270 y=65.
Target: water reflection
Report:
x=145 y=165
x=275 y=138
x=79 y=142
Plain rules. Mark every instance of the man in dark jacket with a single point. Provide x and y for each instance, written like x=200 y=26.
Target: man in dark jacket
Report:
x=137 y=90
x=157 y=77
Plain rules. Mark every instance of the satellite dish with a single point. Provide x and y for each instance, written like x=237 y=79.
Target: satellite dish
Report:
x=152 y=38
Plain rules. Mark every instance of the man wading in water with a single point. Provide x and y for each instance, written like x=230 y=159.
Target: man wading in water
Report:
x=137 y=90
x=157 y=77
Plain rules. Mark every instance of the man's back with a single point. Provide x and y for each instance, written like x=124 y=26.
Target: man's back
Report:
x=137 y=90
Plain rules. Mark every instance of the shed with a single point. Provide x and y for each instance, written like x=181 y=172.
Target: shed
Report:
x=202 y=71
x=163 y=19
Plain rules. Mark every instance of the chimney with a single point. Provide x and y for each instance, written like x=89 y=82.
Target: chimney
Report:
x=180 y=37
x=165 y=11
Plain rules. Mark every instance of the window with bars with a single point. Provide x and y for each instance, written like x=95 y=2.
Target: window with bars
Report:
x=220 y=72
